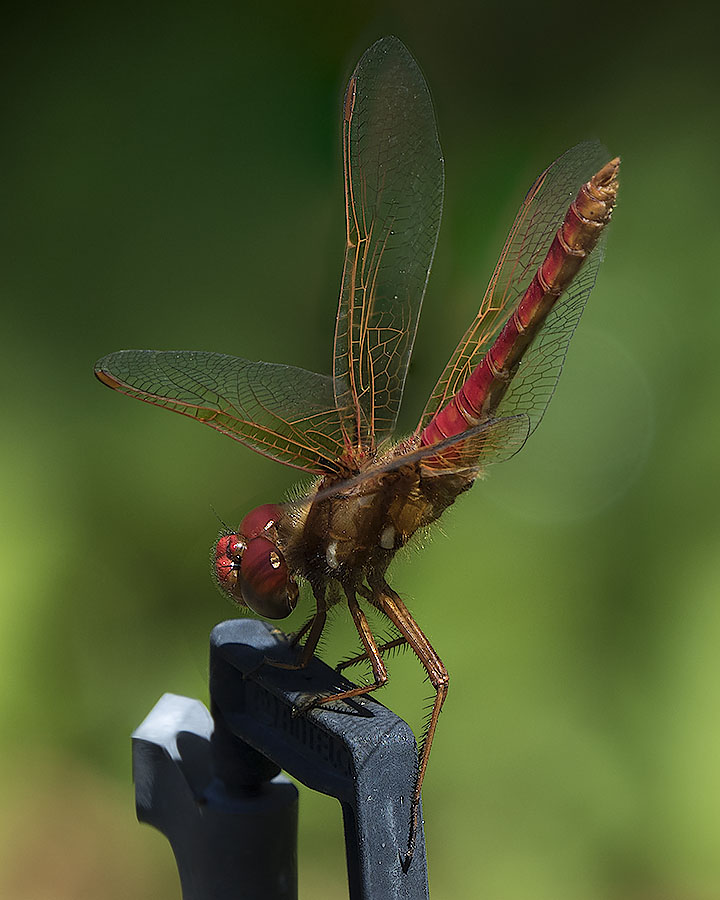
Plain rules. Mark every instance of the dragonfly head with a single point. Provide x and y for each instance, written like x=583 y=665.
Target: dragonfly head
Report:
x=251 y=568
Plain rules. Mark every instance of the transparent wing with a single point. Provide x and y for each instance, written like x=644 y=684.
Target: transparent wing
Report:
x=539 y=217
x=280 y=411
x=493 y=441
x=393 y=171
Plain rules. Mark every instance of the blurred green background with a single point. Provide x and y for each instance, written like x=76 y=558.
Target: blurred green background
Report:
x=171 y=178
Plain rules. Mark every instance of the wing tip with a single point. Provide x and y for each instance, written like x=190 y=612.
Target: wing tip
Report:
x=103 y=374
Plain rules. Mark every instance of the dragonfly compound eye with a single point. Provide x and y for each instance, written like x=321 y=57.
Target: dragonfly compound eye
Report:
x=228 y=553
x=267 y=586
x=262 y=521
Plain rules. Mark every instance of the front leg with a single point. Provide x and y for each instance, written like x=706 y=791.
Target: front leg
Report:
x=300 y=634
x=314 y=629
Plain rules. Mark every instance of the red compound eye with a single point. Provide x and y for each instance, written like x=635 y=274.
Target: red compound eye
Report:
x=267 y=586
x=261 y=520
x=228 y=552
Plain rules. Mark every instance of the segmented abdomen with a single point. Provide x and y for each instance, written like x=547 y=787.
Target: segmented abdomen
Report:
x=479 y=397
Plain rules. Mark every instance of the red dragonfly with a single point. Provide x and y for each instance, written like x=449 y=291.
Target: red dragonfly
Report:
x=371 y=495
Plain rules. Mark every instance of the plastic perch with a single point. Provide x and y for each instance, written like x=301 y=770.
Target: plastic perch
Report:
x=212 y=784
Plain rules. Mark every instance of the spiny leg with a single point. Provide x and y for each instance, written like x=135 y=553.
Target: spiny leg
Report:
x=390 y=603
x=300 y=634
x=315 y=628
x=372 y=652
x=382 y=648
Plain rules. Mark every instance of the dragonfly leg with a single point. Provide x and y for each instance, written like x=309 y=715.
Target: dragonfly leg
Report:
x=372 y=652
x=299 y=635
x=390 y=603
x=382 y=648
x=314 y=627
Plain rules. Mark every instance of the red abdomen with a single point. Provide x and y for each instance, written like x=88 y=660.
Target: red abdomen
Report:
x=479 y=396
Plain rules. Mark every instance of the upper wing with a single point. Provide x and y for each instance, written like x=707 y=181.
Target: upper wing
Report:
x=280 y=411
x=539 y=217
x=394 y=177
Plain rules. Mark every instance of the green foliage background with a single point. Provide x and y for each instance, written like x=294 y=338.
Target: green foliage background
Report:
x=170 y=178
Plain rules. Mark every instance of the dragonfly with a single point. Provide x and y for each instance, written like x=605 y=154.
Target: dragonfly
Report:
x=372 y=493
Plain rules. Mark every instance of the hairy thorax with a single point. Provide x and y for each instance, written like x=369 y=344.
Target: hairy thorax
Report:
x=355 y=533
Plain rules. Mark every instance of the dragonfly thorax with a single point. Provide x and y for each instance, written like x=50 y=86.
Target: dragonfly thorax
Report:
x=356 y=532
